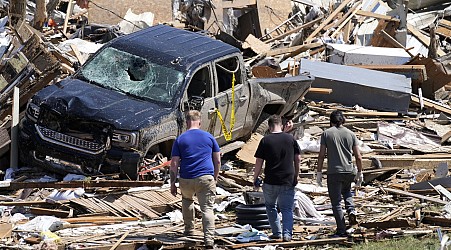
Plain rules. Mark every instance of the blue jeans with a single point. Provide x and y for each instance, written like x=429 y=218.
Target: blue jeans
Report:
x=284 y=197
x=339 y=185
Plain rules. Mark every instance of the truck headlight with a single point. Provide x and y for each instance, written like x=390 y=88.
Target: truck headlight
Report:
x=124 y=138
x=33 y=111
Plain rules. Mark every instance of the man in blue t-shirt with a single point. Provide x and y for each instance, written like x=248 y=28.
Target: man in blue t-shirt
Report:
x=196 y=152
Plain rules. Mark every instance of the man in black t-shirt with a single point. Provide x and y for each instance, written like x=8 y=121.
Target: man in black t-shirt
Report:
x=281 y=155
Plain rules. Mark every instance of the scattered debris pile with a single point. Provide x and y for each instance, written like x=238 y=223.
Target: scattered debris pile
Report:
x=385 y=65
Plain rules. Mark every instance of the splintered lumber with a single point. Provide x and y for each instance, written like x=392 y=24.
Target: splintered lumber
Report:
x=328 y=19
x=297 y=29
x=76 y=184
x=323 y=91
x=293 y=50
x=431 y=104
x=418 y=196
x=119 y=241
x=27 y=203
x=46 y=211
x=377 y=16
x=425 y=40
x=97 y=219
x=387 y=224
x=292 y=243
x=416 y=72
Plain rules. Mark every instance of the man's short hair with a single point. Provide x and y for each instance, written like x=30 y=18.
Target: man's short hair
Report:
x=337 y=118
x=273 y=120
x=193 y=115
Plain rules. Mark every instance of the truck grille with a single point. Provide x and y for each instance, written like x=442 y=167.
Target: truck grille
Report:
x=69 y=141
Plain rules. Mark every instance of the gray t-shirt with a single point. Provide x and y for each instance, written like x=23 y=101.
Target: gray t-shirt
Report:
x=339 y=143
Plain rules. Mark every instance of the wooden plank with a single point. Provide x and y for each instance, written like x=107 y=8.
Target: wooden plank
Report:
x=394 y=42
x=377 y=16
x=416 y=72
x=119 y=241
x=323 y=91
x=292 y=243
x=297 y=29
x=417 y=196
x=53 y=212
x=372 y=114
x=425 y=40
x=76 y=184
x=386 y=224
x=431 y=104
x=328 y=19
x=99 y=219
x=293 y=50
x=351 y=13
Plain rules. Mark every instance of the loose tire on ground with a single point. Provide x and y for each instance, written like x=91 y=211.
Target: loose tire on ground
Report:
x=251 y=209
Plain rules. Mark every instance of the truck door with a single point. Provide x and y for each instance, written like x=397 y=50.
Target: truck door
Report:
x=200 y=95
x=225 y=70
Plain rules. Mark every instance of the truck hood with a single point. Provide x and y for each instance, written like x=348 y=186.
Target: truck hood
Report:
x=74 y=98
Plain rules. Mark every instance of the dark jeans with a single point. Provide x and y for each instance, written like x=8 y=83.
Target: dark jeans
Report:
x=339 y=185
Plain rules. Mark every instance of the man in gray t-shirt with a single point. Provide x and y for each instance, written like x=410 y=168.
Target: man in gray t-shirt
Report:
x=340 y=143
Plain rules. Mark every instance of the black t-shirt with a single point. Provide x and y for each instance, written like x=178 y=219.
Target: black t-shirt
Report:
x=278 y=150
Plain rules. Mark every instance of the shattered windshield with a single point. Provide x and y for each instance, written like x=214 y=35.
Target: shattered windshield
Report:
x=133 y=75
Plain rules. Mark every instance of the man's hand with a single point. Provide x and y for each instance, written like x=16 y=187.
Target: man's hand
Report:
x=173 y=189
x=359 y=179
x=319 y=179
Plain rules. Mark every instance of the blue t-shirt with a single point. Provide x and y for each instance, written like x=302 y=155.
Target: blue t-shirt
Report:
x=195 y=148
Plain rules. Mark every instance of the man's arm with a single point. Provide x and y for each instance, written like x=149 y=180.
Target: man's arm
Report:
x=297 y=162
x=321 y=156
x=173 y=171
x=358 y=158
x=216 y=163
x=257 y=168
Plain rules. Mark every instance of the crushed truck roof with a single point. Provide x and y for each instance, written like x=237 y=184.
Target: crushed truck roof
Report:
x=164 y=45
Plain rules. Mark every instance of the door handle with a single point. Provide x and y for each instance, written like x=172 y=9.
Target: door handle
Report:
x=242 y=98
x=211 y=111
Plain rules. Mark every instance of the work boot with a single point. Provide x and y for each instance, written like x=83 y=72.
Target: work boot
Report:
x=275 y=237
x=287 y=238
x=188 y=233
x=352 y=217
x=209 y=244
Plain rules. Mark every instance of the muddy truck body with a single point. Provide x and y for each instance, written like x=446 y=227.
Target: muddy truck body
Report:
x=126 y=104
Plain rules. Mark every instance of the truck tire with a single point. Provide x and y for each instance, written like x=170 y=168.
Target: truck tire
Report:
x=252 y=216
x=251 y=209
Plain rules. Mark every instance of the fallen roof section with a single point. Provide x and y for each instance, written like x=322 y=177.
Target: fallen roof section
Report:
x=355 y=86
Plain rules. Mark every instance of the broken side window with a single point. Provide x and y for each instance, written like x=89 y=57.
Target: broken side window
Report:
x=134 y=75
x=225 y=70
x=200 y=84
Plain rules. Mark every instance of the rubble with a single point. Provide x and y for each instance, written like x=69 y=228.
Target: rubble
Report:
x=383 y=64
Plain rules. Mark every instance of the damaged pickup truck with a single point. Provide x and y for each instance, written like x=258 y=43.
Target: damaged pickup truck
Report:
x=126 y=104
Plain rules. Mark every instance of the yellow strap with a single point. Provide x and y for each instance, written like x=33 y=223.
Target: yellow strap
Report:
x=228 y=133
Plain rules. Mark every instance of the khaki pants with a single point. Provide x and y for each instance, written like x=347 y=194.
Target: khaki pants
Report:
x=205 y=189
